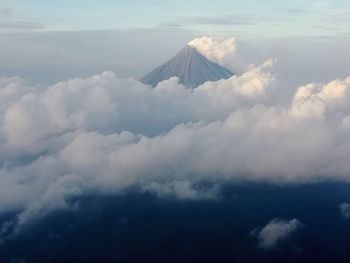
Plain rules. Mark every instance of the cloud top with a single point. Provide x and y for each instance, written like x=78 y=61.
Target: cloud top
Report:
x=105 y=134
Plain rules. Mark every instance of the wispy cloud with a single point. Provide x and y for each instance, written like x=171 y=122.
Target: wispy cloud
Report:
x=20 y=25
x=11 y=19
x=219 y=20
x=7 y=12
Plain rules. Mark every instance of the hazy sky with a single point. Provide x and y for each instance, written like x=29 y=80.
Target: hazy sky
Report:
x=272 y=17
x=47 y=41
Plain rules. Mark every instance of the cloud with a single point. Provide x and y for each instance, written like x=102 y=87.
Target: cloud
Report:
x=222 y=20
x=106 y=135
x=20 y=25
x=317 y=100
x=11 y=19
x=225 y=51
x=7 y=12
x=230 y=19
x=183 y=190
x=217 y=50
x=275 y=232
x=345 y=210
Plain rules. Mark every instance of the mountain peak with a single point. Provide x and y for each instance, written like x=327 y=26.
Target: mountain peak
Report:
x=190 y=66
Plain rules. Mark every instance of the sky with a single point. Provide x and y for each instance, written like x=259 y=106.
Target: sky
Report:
x=251 y=17
x=47 y=42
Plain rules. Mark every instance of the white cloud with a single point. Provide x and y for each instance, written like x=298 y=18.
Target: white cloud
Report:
x=276 y=231
x=317 y=100
x=219 y=50
x=104 y=134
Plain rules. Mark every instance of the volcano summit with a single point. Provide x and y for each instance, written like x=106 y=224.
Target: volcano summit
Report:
x=190 y=66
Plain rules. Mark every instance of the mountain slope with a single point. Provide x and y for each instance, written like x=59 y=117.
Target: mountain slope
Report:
x=191 y=67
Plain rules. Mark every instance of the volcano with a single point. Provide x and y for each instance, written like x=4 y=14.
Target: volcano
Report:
x=190 y=66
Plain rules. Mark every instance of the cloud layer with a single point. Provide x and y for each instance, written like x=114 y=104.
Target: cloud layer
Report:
x=104 y=135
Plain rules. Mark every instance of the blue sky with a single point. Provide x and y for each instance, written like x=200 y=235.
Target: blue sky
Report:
x=249 y=17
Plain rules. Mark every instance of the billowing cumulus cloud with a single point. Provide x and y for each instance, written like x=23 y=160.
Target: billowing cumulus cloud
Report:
x=317 y=100
x=105 y=135
x=276 y=231
x=219 y=50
